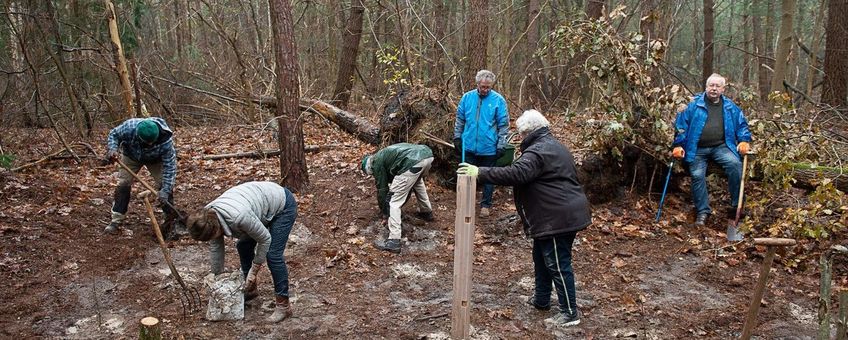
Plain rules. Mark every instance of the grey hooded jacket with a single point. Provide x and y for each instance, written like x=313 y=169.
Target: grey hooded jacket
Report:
x=245 y=211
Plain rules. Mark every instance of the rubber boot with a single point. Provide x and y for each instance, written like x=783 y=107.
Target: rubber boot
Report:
x=282 y=310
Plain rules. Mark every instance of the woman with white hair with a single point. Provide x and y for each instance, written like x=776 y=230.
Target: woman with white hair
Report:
x=552 y=206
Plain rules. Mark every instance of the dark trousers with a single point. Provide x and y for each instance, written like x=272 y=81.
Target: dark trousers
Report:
x=488 y=189
x=552 y=265
x=280 y=228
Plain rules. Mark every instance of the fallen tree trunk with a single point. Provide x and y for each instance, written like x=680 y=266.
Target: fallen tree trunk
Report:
x=267 y=153
x=351 y=123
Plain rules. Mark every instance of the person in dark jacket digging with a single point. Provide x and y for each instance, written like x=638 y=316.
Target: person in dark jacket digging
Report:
x=144 y=142
x=398 y=170
x=260 y=215
x=552 y=207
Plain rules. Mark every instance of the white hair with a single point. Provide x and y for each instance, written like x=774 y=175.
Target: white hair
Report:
x=717 y=77
x=485 y=75
x=531 y=120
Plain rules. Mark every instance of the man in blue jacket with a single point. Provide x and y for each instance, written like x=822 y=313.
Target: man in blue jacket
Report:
x=711 y=127
x=481 y=129
x=144 y=142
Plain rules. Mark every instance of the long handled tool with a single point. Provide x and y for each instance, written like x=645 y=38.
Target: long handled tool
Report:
x=665 y=190
x=754 y=308
x=190 y=297
x=733 y=233
x=148 y=187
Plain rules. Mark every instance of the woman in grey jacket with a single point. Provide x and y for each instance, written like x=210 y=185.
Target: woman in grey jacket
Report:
x=260 y=215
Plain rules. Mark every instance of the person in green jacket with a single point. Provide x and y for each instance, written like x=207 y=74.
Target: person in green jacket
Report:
x=398 y=170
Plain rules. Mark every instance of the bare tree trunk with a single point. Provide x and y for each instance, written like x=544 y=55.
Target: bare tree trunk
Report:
x=293 y=174
x=746 y=45
x=350 y=52
x=709 y=31
x=594 y=8
x=767 y=63
x=760 y=50
x=532 y=62
x=477 y=39
x=436 y=50
x=784 y=45
x=120 y=60
x=835 y=87
x=812 y=69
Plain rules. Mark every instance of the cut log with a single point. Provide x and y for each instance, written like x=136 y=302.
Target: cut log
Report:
x=358 y=126
x=149 y=329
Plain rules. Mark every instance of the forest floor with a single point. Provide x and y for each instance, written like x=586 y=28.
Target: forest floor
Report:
x=636 y=279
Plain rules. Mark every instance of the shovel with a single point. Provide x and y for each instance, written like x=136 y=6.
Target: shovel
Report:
x=665 y=189
x=733 y=233
x=190 y=297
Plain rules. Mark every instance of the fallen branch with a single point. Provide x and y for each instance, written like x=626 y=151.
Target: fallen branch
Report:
x=269 y=152
x=56 y=153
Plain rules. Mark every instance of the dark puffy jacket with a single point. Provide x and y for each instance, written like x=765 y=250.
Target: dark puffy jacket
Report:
x=548 y=197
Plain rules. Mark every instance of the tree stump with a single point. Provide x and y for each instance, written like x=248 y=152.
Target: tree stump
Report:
x=149 y=329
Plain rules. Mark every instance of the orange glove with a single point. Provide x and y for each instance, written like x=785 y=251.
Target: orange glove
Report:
x=678 y=152
x=743 y=148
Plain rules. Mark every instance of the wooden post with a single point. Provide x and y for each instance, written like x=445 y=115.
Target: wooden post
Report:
x=754 y=309
x=842 y=322
x=824 y=296
x=148 y=329
x=463 y=255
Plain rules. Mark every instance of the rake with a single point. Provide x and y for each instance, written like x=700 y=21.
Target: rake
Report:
x=190 y=297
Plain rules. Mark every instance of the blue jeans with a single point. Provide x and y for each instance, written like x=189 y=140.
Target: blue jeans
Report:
x=552 y=263
x=698 y=168
x=280 y=228
x=488 y=189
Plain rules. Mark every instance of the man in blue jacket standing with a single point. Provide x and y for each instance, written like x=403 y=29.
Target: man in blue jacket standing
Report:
x=712 y=127
x=481 y=128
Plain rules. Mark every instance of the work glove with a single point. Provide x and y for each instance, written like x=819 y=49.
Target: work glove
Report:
x=111 y=156
x=678 y=152
x=499 y=153
x=743 y=148
x=163 y=198
x=467 y=169
x=250 y=280
x=457 y=146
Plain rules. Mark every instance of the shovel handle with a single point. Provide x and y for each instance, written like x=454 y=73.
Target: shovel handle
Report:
x=162 y=245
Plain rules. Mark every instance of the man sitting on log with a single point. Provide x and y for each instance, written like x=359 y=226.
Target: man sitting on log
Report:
x=712 y=127
x=398 y=170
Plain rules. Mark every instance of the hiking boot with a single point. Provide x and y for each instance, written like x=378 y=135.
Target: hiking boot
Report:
x=701 y=219
x=564 y=320
x=390 y=245
x=112 y=228
x=485 y=212
x=427 y=216
x=532 y=301
x=282 y=310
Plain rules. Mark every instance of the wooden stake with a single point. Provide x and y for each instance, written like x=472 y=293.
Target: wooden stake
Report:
x=463 y=255
x=842 y=322
x=754 y=308
x=824 y=295
x=148 y=329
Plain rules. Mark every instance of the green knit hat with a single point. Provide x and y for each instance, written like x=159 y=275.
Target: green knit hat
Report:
x=366 y=164
x=147 y=131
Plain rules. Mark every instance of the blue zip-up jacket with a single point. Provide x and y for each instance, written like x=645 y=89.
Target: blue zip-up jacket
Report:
x=690 y=124
x=484 y=133
x=162 y=151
